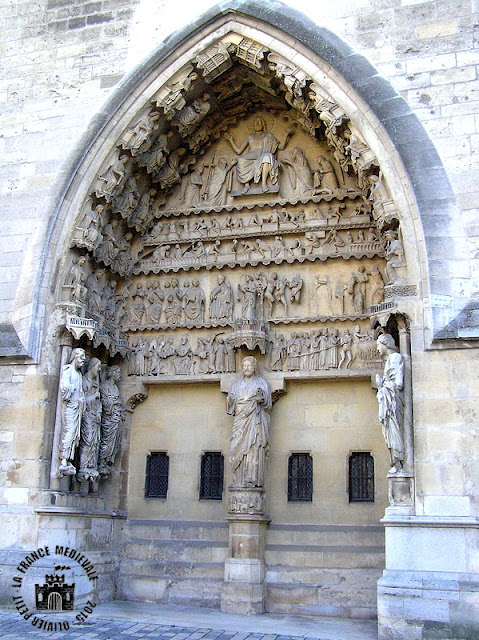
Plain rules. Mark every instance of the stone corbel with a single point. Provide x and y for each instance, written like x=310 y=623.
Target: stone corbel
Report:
x=135 y=391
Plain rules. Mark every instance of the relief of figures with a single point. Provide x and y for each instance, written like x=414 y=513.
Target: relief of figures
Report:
x=77 y=281
x=136 y=140
x=110 y=183
x=394 y=256
x=217 y=242
x=320 y=349
x=221 y=301
x=170 y=304
x=90 y=235
x=172 y=356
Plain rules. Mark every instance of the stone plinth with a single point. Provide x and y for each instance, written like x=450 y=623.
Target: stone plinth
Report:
x=244 y=591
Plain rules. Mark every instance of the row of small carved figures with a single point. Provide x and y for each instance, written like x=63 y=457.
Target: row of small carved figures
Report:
x=244 y=251
x=213 y=354
x=258 y=295
x=321 y=349
x=196 y=228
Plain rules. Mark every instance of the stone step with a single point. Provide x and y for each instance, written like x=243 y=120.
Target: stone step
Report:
x=320 y=577
x=328 y=535
x=335 y=592
x=172 y=569
x=322 y=556
x=175 y=529
x=184 y=550
x=191 y=591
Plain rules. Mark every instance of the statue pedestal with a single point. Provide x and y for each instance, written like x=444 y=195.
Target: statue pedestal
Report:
x=244 y=591
x=401 y=494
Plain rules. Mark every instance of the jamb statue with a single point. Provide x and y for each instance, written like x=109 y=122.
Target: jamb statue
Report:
x=73 y=404
x=391 y=401
x=113 y=413
x=250 y=402
x=90 y=424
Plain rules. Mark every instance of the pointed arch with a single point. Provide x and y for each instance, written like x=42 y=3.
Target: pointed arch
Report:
x=406 y=155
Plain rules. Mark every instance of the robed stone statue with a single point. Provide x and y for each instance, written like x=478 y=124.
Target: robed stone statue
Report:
x=249 y=401
x=391 y=401
x=73 y=404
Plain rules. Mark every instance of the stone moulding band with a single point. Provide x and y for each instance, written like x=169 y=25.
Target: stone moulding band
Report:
x=209 y=378
x=441 y=522
x=337 y=195
x=213 y=325
x=375 y=250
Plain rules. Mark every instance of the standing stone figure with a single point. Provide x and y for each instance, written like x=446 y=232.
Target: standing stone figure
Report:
x=90 y=423
x=113 y=413
x=391 y=400
x=73 y=404
x=249 y=401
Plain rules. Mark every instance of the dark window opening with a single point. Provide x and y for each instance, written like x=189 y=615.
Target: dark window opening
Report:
x=157 y=467
x=300 y=478
x=361 y=477
x=212 y=471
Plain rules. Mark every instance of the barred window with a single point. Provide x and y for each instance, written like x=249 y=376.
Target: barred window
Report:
x=212 y=470
x=300 y=477
x=156 y=482
x=361 y=477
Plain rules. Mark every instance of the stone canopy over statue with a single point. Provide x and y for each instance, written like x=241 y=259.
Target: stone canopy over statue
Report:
x=250 y=402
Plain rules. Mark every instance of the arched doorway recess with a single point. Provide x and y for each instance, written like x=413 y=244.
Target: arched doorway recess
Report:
x=249 y=190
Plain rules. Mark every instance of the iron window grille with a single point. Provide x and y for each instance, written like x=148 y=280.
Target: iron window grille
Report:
x=157 y=468
x=361 y=477
x=212 y=472
x=300 y=477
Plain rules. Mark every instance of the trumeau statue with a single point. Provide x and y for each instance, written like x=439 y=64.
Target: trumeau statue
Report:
x=113 y=413
x=391 y=401
x=250 y=402
x=73 y=405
